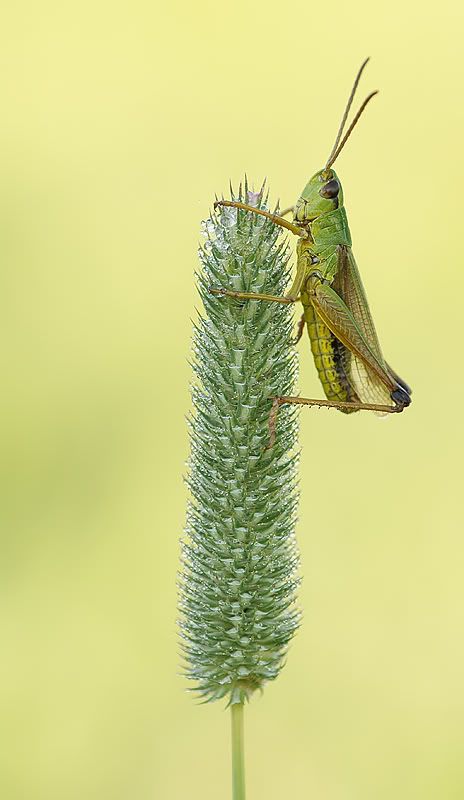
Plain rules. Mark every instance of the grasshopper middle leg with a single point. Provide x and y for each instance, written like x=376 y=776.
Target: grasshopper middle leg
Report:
x=300 y=329
x=254 y=296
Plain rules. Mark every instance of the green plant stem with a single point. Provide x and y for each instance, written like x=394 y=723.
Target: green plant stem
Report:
x=238 y=753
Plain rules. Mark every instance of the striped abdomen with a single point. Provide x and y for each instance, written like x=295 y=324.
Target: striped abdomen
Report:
x=328 y=355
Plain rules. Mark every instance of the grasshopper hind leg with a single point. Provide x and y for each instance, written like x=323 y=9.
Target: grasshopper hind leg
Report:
x=403 y=393
x=401 y=397
x=347 y=408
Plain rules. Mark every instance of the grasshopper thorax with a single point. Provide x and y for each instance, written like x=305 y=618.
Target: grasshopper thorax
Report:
x=323 y=193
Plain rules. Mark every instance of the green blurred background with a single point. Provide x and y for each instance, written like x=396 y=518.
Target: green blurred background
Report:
x=119 y=123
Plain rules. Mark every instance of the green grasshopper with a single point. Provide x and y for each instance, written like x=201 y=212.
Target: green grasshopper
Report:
x=344 y=343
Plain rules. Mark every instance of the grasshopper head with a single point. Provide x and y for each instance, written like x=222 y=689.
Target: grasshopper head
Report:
x=322 y=193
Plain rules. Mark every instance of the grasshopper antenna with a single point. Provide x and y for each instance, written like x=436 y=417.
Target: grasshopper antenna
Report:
x=338 y=146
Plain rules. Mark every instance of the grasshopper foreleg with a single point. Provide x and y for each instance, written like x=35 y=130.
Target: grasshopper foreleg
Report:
x=275 y=218
x=289 y=210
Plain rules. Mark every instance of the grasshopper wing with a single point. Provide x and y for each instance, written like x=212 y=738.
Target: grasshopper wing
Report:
x=337 y=316
x=362 y=361
x=349 y=287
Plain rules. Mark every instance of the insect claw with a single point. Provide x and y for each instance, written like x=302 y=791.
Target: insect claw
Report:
x=300 y=329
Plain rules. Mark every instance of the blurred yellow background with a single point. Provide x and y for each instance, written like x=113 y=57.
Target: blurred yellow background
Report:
x=119 y=123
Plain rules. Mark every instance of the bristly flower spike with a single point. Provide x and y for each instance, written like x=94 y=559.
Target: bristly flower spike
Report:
x=239 y=555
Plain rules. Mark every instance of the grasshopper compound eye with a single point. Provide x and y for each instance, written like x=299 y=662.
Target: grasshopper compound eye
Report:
x=330 y=190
